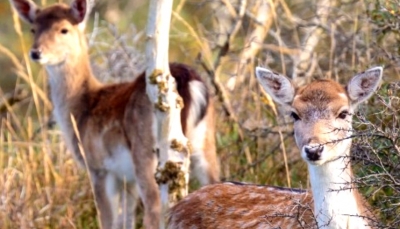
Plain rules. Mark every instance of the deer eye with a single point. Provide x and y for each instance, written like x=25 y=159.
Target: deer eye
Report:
x=343 y=114
x=294 y=116
x=64 y=31
x=33 y=31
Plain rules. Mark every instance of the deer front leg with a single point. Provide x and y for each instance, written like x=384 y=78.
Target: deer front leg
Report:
x=128 y=204
x=204 y=160
x=205 y=169
x=105 y=187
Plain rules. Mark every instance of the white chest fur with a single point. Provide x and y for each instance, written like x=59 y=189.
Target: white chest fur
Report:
x=335 y=202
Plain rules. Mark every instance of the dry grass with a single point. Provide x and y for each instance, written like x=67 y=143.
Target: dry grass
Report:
x=41 y=186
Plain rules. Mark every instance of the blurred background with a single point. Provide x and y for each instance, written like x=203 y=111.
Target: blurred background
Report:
x=42 y=187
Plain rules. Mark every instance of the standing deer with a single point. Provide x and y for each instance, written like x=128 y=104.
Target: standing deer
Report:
x=322 y=112
x=113 y=122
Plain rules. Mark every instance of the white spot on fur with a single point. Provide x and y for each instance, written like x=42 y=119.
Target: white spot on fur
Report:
x=253 y=195
x=343 y=96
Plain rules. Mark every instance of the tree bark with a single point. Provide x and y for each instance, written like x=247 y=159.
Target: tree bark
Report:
x=170 y=143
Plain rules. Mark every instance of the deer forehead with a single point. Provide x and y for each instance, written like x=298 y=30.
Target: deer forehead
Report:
x=54 y=15
x=325 y=97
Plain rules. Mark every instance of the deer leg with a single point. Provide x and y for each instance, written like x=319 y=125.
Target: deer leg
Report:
x=205 y=171
x=211 y=160
x=105 y=187
x=128 y=204
x=204 y=162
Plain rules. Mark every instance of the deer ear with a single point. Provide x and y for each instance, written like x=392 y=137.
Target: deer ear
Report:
x=26 y=9
x=80 y=10
x=364 y=84
x=277 y=86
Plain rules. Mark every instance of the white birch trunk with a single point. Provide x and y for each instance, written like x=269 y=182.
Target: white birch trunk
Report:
x=173 y=167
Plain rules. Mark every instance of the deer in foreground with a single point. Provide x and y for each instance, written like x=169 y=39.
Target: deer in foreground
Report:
x=114 y=121
x=322 y=113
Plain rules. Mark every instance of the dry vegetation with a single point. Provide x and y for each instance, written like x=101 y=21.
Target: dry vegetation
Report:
x=42 y=187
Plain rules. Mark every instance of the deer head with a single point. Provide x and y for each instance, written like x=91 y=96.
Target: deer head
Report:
x=57 y=30
x=322 y=111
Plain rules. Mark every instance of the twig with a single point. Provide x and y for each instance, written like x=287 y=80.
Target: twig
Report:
x=11 y=98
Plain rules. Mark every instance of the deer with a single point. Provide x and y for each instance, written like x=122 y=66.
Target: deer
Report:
x=322 y=112
x=107 y=127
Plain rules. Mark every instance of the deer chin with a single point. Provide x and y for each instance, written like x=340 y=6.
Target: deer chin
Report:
x=49 y=61
x=315 y=163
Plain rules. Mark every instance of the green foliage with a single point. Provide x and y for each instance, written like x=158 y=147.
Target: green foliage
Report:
x=377 y=154
x=386 y=14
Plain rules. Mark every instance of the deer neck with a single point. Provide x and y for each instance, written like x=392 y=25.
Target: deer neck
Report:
x=70 y=82
x=336 y=200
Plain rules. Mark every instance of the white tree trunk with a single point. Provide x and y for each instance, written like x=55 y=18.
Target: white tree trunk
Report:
x=173 y=167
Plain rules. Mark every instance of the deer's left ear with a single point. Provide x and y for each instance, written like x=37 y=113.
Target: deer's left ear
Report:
x=277 y=86
x=80 y=10
x=26 y=9
x=364 y=84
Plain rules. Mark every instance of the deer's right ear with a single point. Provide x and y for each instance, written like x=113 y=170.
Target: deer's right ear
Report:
x=80 y=11
x=364 y=84
x=26 y=9
x=277 y=86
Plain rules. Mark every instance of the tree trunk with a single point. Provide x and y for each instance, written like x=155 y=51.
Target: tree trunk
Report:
x=170 y=143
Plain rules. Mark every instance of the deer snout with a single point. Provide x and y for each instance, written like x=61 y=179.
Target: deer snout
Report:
x=35 y=54
x=313 y=152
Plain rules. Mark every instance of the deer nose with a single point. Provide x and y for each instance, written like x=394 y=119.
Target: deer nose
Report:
x=314 y=152
x=35 y=54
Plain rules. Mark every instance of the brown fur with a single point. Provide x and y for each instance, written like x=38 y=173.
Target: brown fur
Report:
x=212 y=208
